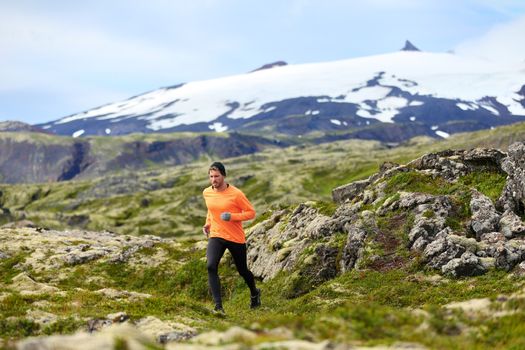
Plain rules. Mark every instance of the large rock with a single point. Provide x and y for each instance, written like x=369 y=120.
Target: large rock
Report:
x=165 y=331
x=53 y=250
x=279 y=242
x=509 y=254
x=484 y=216
x=430 y=219
x=348 y=192
x=353 y=249
x=439 y=252
x=466 y=265
x=234 y=334
x=122 y=336
x=451 y=164
x=28 y=286
x=511 y=225
x=513 y=196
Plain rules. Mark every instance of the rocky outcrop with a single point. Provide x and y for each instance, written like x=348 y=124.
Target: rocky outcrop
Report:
x=270 y=66
x=467 y=264
x=349 y=191
x=47 y=158
x=278 y=243
x=485 y=219
x=409 y=47
x=432 y=228
x=117 y=337
x=511 y=225
x=513 y=196
x=16 y=126
x=52 y=249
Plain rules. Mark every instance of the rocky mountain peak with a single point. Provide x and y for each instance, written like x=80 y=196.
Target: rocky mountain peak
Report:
x=409 y=47
x=271 y=65
x=11 y=125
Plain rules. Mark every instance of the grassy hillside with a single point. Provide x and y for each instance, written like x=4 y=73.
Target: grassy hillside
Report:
x=367 y=306
x=364 y=307
x=167 y=201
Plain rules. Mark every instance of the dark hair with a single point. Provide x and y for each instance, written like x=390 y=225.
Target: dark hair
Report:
x=218 y=166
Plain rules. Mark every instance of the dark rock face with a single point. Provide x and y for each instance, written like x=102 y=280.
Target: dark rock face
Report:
x=23 y=161
x=409 y=47
x=58 y=159
x=271 y=65
x=488 y=239
x=78 y=162
x=522 y=93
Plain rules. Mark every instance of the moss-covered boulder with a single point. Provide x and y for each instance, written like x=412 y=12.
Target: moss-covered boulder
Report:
x=438 y=211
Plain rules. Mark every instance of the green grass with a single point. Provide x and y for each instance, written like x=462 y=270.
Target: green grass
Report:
x=374 y=307
x=282 y=177
x=369 y=306
x=412 y=181
x=366 y=306
x=489 y=183
x=327 y=208
x=19 y=328
x=7 y=266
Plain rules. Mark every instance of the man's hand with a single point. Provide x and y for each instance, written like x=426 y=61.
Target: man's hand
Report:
x=226 y=216
x=206 y=230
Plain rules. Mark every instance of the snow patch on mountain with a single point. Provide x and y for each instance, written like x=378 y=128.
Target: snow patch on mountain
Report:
x=218 y=127
x=442 y=134
x=380 y=87
x=78 y=133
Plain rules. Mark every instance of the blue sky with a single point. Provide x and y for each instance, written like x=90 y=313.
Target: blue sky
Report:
x=62 y=57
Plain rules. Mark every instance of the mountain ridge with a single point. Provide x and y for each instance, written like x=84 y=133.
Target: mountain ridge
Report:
x=441 y=91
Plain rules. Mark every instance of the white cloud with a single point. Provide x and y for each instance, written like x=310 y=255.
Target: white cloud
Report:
x=42 y=41
x=77 y=65
x=503 y=43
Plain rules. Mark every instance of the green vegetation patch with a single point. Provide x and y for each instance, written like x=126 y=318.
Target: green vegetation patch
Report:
x=327 y=208
x=489 y=183
x=8 y=265
x=324 y=180
x=413 y=181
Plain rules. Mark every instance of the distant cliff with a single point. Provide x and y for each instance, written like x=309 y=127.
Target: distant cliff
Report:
x=33 y=157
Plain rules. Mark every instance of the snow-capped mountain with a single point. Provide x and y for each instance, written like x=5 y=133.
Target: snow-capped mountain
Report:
x=405 y=93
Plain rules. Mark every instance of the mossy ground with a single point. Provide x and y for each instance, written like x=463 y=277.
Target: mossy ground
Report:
x=168 y=201
x=366 y=307
x=369 y=306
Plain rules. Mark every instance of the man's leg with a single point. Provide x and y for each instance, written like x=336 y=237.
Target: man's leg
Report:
x=238 y=252
x=214 y=252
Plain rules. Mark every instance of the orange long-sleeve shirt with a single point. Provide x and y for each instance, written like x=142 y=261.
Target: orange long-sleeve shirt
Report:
x=230 y=200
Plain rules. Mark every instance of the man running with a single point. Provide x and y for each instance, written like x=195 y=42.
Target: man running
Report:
x=227 y=208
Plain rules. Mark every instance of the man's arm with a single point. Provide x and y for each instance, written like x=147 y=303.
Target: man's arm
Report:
x=207 y=225
x=208 y=219
x=247 y=210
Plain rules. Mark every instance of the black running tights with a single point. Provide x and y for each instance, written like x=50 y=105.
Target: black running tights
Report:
x=216 y=248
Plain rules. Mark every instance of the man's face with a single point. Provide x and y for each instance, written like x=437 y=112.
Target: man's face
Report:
x=216 y=178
